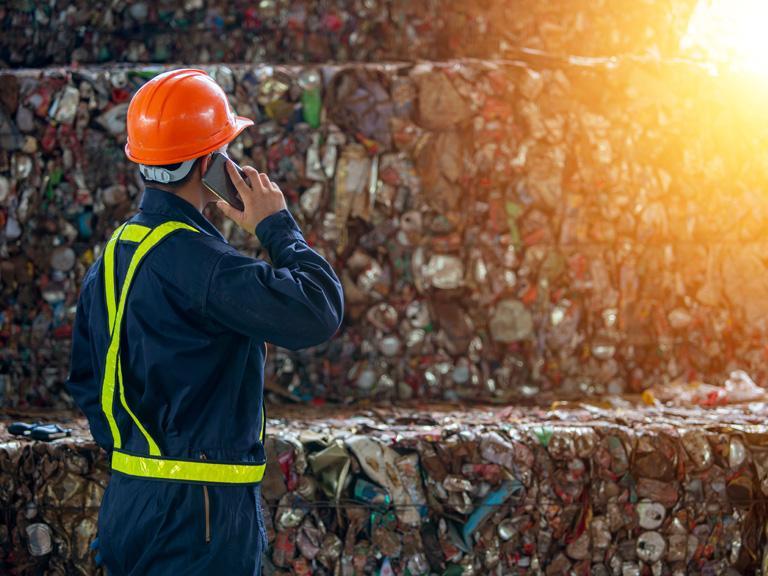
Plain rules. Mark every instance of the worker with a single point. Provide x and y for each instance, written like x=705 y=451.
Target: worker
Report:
x=169 y=342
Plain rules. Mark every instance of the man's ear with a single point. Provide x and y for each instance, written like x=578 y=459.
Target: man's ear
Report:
x=204 y=164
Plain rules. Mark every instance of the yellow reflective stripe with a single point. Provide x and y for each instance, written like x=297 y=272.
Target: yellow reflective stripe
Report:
x=110 y=364
x=109 y=276
x=109 y=289
x=154 y=449
x=134 y=233
x=187 y=470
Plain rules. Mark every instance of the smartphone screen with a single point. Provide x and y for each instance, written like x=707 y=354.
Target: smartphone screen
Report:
x=217 y=180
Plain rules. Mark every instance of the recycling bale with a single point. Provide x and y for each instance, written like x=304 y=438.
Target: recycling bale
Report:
x=605 y=488
x=101 y=32
x=502 y=230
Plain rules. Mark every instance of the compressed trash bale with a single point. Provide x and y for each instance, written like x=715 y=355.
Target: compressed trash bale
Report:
x=429 y=490
x=100 y=32
x=534 y=239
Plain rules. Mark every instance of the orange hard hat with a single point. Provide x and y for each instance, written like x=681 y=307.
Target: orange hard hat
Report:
x=180 y=115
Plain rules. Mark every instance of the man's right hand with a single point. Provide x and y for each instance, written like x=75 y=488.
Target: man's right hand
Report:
x=261 y=198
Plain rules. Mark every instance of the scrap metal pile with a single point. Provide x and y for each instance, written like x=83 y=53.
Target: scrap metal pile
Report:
x=502 y=230
x=580 y=489
x=278 y=31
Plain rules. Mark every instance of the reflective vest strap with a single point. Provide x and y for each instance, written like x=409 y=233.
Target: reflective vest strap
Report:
x=109 y=293
x=134 y=233
x=154 y=449
x=187 y=470
x=125 y=233
x=112 y=369
x=109 y=276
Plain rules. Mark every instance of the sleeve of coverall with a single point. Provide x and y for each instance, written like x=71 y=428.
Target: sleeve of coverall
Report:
x=83 y=382
x=295 y=303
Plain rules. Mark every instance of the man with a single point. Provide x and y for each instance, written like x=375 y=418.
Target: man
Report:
x=170 y=340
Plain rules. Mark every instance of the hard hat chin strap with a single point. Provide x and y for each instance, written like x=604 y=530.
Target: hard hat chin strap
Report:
x=165 y=176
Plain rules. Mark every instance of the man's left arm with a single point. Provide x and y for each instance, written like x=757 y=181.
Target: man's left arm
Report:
x=83 y=382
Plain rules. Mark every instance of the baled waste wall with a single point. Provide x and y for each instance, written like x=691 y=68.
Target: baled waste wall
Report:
x=503 y=230
x=577 y=489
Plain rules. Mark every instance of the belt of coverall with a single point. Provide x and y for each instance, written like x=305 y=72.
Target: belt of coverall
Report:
x=154 y=465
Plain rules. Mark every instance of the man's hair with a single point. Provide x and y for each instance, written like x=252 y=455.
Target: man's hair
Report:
x=178 y=183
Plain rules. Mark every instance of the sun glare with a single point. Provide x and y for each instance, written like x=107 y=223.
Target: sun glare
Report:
x=731 y=31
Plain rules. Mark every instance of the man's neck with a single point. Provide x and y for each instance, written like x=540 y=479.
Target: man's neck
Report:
x=191 y=194
x=194 y=197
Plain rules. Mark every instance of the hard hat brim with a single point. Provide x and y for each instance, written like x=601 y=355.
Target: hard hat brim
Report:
x=184 y=152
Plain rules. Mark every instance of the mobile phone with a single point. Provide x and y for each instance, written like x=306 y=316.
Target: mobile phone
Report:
x=217 y=180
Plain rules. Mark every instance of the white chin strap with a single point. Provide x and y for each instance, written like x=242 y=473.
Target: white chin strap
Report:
x=165 y=176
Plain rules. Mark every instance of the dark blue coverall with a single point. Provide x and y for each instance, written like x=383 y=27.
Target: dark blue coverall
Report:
x=192 y=357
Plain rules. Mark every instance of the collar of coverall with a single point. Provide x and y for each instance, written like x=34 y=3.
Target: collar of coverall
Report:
x=156 y=201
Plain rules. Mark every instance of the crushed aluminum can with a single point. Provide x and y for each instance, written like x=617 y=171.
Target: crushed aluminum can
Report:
x=511 y=322
x=651 y=547
x=444 y=272
x=40 y=539
x=650 y=514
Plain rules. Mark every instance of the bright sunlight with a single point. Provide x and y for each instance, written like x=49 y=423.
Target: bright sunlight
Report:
x=731 y=31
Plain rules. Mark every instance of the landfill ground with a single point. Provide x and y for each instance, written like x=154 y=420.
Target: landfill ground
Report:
x=612 y=487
